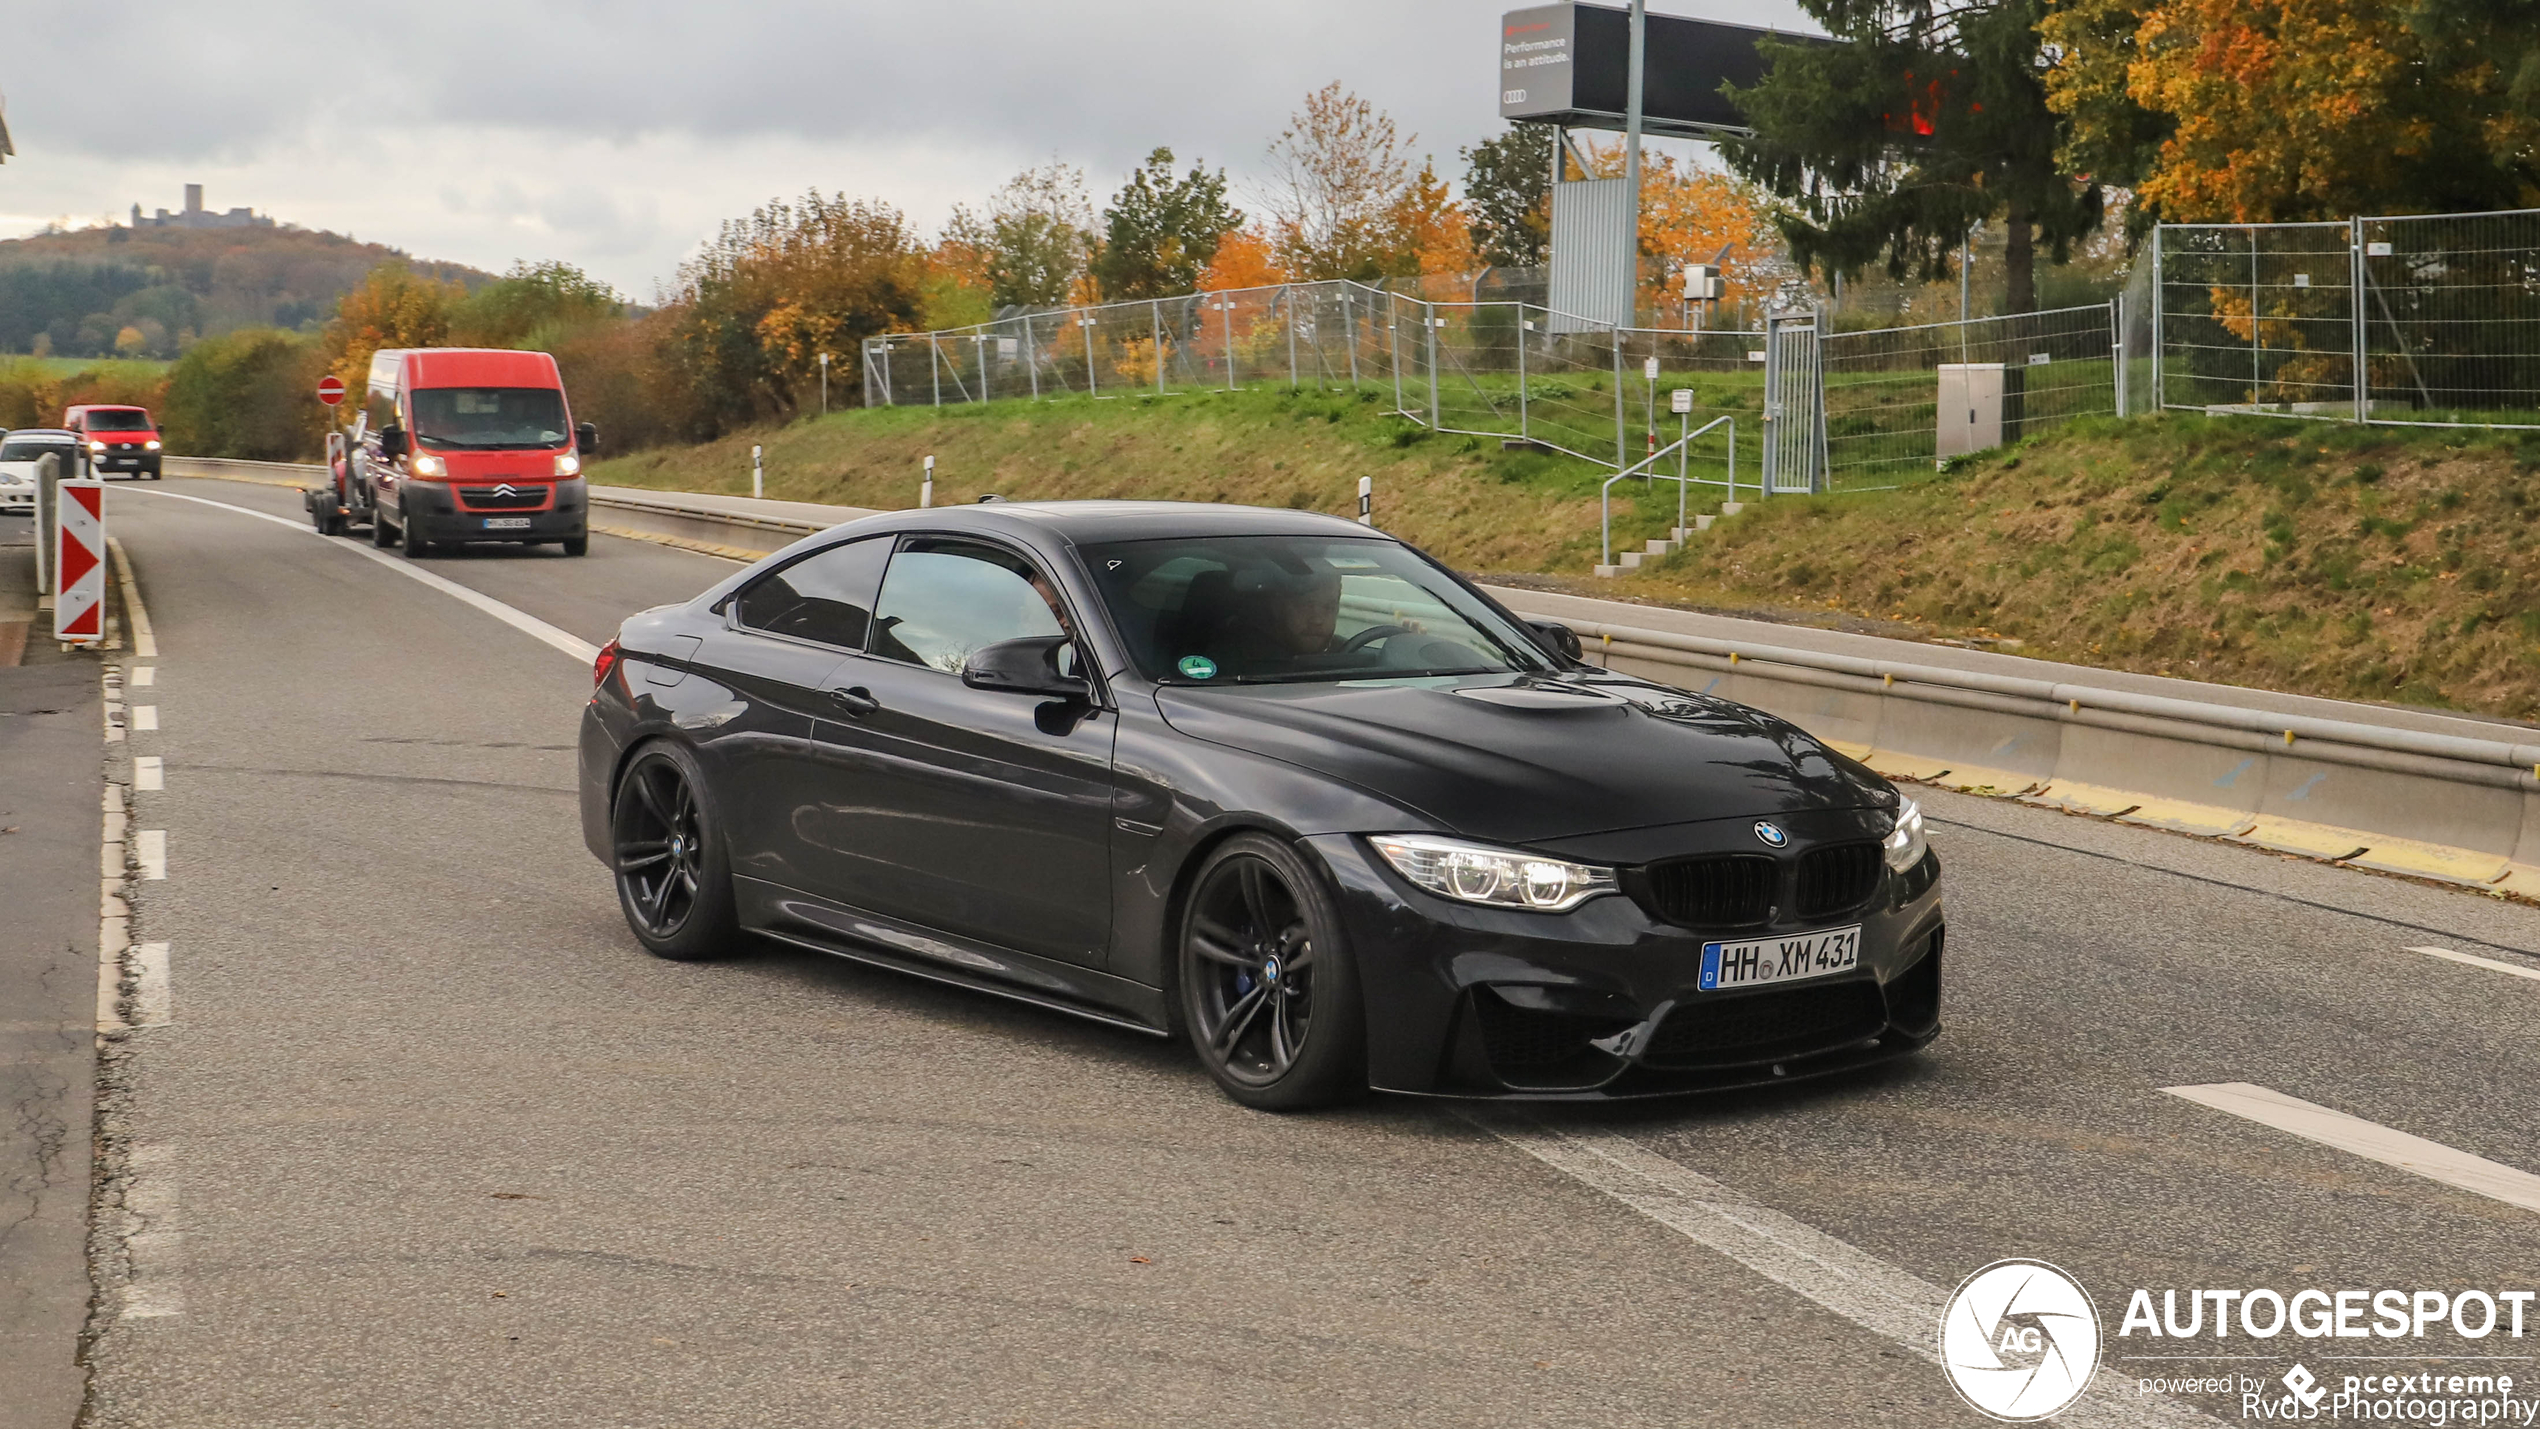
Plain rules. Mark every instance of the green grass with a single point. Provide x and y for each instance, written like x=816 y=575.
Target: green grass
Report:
x=129 y=368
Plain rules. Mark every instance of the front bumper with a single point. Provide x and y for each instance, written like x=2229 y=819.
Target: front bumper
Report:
x=433 y=508
x=17 y=500
x=128 y=463
x=1601 y=1002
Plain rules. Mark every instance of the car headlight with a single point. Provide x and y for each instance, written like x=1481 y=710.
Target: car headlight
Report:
x=431 y=466
x=1502 y=878
x=96 y=446
x=1905 y=843
x=568 y=465
x=150 y=445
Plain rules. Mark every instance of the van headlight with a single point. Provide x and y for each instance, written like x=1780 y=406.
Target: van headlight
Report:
x=150 y=445
x=431 y=466
x=568 y=464
x=1905 y=844
x=97 y=447
x=1498 y=877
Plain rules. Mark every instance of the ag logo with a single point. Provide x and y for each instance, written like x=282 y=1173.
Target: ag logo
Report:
x=2019 y=1340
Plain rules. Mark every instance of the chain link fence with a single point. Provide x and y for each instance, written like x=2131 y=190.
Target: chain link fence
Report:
x=2430 y=319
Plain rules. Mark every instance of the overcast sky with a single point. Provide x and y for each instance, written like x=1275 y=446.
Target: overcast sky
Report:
x=616 y=135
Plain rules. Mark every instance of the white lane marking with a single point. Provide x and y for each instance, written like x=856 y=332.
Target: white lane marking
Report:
x=2473 y=960
x=145 y=675
x=145 y=717
x=2371 y=1140
x=114 y=915
x=154 y=1245
x=150 y=850
x=149 y=773
x=1884 y=1299
x=153 y=1001
x=520 y=620
x=144 y=643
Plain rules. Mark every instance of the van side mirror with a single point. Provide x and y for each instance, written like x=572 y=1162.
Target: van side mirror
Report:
x=586 y=438
x=1029 y=666
x=392 y=442
x=1558 y=638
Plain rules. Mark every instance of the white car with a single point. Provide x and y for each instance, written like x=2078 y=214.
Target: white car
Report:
x=19 y=452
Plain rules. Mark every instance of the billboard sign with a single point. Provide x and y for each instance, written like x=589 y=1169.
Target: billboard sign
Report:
x=1571 y=65
x=1535 y=61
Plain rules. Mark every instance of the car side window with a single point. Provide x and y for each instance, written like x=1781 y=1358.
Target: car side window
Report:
x=945 y=599
x=825 y=597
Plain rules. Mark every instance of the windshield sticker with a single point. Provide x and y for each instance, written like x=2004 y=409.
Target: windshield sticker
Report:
x=1199 y=667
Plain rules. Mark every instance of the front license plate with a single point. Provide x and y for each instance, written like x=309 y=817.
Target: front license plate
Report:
x=1763 y=960
x=506 y=523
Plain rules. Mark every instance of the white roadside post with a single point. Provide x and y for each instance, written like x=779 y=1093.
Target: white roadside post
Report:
x=48 y=477
x=79 y=563
x=824 y=384
x=758 y=474
x=926 y=488
x=1680 y=402
x=1366 y=501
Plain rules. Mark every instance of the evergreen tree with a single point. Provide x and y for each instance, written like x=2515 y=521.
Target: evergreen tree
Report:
x=1508 y=190
x=1161 y=232
x=1926 y=119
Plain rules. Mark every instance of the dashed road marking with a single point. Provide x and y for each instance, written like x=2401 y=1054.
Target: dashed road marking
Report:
x=144 y=676
x=1884 y=1299
x=153 y=1002
x=149 y=773
x=145 y=717
x=154 y=1243
x=520 y=620
x=144 y=643
x=150 y=850
x=2370 y=1140
x=2493 y=965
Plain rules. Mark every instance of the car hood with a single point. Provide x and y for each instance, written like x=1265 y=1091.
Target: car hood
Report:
x=1529 y=758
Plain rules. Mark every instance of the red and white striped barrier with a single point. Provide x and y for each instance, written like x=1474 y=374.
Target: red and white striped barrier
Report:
x=79 y=563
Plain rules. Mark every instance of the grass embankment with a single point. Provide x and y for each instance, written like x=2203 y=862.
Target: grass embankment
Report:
x=2372 y=563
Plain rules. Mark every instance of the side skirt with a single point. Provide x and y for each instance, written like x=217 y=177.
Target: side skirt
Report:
x=788 y=916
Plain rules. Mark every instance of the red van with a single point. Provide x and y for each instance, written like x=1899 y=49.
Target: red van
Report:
x=116 y=439
x=458 y=444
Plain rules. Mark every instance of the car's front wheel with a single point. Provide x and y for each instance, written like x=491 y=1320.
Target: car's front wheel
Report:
x=674 y=881
x=1269 y=993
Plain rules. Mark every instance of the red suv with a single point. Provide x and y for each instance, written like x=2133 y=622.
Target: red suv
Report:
x=116 y=439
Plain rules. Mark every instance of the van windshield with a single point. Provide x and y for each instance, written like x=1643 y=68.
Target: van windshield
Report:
x=489 y=418
x=110 y=420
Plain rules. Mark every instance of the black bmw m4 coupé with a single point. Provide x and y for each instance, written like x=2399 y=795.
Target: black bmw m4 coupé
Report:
x=1267 y=780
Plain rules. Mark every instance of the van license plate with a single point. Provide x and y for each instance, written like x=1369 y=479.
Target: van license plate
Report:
x=1763 y=960
x=506 y=523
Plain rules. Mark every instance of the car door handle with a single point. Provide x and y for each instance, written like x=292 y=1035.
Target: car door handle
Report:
x=857 y=701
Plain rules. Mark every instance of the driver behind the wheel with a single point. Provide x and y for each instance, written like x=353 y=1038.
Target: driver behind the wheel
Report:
x=1284 y=614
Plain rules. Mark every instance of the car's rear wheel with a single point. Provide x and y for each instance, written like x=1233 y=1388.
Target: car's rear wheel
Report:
x=382 y=534
x=673 y=880
x=1269 y=993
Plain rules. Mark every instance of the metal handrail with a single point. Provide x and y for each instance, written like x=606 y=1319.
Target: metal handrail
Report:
x=1605 y=493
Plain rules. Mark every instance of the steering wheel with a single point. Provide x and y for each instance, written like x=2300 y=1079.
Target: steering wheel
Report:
x=1371 y=635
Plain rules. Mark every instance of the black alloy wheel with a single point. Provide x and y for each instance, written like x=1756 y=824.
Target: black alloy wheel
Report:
x=1269 y=994
x=672 y=880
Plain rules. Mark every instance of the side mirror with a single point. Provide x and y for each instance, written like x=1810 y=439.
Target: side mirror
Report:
x=586 y=438
x=392 y=442
x=1029 y=666
x=1558 y=638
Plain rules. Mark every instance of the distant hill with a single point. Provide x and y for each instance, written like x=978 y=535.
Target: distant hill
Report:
x=73 y=294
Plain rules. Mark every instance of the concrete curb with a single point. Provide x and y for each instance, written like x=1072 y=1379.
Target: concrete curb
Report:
x=2438 y=806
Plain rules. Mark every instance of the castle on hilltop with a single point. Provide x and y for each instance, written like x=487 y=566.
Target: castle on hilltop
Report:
x=197 y=216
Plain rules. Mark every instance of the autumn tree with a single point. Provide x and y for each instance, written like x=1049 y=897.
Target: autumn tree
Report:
x=1336 y=174
x=751 y=313
x=550 y=296
x=1161 y=232
x=1245 y=258
x=1508 y=190
x=1034 y=238
x=393 y=306
x=2284 y=110
x=1928 y=118
x=1426 y=231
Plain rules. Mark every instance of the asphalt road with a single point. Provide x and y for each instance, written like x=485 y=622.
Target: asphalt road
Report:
x=430 y=1141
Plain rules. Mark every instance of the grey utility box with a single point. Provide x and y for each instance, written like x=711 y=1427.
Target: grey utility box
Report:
x=1970 y=407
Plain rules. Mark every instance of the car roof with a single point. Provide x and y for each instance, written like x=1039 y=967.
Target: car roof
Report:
x=41 y=432
x=491 y=366
x=108 y=407
x=1097 y=522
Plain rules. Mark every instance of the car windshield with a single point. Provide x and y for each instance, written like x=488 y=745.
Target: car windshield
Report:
x=109 y=420
x=30 y=448
x=489 y=418
x=1265 y=609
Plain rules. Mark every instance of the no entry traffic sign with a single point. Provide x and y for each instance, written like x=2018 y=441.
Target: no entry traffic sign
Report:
x=79 y=563
x=330 y=389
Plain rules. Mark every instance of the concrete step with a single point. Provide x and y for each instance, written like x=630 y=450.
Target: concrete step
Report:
x=1660 y=548
x=1608 y=572
x=1632 y=559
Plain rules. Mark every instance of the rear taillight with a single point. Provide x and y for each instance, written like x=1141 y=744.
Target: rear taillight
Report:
x=602 y=663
